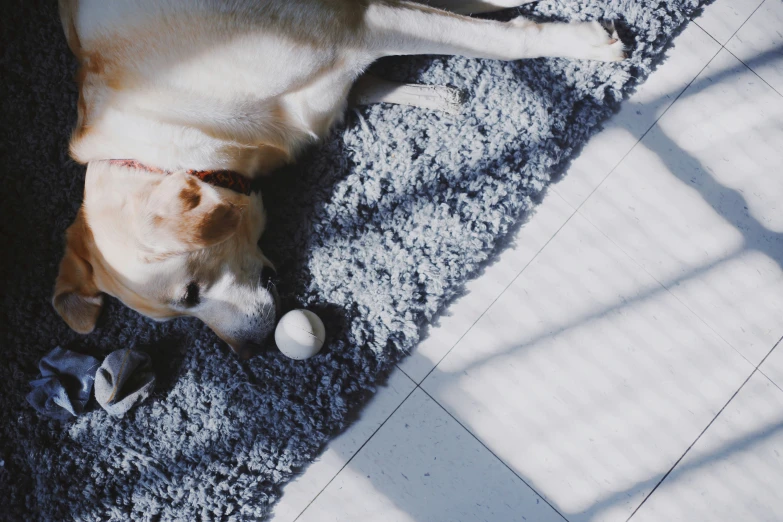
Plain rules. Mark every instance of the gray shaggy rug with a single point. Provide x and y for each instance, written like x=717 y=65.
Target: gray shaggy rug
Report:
x=377 y=228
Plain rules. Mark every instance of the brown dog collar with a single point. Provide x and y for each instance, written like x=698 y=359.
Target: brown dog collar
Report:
x=229 y=179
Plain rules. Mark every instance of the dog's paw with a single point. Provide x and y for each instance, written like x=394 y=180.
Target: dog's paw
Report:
x=601 y=41
x=579 y=40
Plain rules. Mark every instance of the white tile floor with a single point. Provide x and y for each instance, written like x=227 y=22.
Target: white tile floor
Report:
x=619 y=362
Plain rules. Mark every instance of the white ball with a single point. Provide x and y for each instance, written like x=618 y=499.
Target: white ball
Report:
x=300 y=334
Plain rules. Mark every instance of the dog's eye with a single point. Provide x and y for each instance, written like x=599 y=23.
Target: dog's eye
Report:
x=192 y=297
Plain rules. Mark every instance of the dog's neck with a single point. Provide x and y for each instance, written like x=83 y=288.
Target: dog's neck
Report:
x=228 y=179
x=171 y=146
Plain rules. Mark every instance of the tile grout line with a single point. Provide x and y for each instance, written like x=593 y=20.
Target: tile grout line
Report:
x=740 y=59
x=770 y=379
x=756 y=369
x=415 y=385
x=552 y=188
x=397 y=365
x=611 y=171
x=743 y=23
x=501 y=292
x=418 y=386
x=707 y=33
x=690 y=446
x=722 y=47
x=664 y=286
x=542 y=497
x=753 y=71
x=735 y=32
x=653 y=124
x=764 y=359
x=576 y=210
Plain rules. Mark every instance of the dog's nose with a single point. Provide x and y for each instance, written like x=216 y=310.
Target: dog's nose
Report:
x=268 y=276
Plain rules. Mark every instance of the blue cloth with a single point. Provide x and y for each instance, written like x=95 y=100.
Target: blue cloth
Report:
x=63 y=388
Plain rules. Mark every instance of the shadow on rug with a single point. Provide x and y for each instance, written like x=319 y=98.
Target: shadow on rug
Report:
x=377 y=228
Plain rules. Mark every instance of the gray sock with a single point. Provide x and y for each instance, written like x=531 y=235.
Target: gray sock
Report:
x=63 y=388
x=124 y=379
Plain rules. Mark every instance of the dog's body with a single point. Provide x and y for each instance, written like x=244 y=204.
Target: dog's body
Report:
x=239 y=86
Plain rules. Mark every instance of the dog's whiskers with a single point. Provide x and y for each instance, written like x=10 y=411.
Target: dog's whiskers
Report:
x=268 y=307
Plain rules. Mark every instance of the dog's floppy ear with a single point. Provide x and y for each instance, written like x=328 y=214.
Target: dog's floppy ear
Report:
x=184 y=214
x=76 y=298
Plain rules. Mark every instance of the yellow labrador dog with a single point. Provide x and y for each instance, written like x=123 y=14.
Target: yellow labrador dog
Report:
x=182 y=102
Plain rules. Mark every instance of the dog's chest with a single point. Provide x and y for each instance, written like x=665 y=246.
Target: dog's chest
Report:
x=205 y=93
x=245 y=105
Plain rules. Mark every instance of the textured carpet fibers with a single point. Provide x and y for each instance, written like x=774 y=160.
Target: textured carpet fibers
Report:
x=377 y=228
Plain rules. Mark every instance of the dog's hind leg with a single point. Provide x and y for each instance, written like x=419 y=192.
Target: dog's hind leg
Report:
x=475 y=6
x=372 y=89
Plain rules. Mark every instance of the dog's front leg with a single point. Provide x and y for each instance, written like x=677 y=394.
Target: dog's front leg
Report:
x=409 y=28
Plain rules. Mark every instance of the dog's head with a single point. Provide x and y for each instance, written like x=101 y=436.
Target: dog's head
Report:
x=168 y=245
